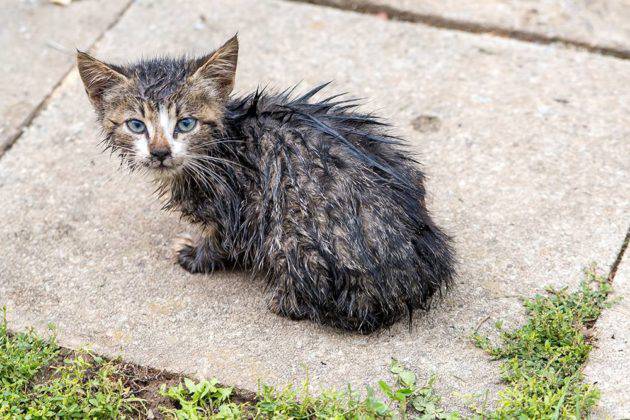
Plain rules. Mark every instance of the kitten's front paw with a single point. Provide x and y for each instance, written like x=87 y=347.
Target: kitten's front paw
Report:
x=184 y=252
x=193 y=257
x=183 y=240
x=183 y=243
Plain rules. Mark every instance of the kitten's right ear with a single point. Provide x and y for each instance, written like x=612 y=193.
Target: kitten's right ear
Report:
x=97 y=77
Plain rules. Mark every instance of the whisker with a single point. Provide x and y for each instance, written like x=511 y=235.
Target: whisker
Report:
x=214 y=159
x=202 y=170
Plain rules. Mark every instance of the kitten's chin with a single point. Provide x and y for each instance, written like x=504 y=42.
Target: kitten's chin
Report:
x=164 y=173
x=161 y=170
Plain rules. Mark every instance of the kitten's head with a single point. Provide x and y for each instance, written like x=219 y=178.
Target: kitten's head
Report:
x=161 y=113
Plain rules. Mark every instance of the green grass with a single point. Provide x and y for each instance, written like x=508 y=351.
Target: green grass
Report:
x=37 y=381
x=403 y=398
x=541 y=364
x=21 y=358
x=542 y=360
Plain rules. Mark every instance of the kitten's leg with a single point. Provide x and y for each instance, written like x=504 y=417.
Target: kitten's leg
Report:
x=358 y=311
x=286 y=303
x=293 y=294
x=301 y=286
x=198 y=254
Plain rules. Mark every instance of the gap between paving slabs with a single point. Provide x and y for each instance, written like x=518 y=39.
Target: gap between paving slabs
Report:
x=24 y=125
x=151 y=385
x=44 y=103
x=45 y=379
x=611 y=349
x=441 y=22
x=361 y=6
x=615 y=265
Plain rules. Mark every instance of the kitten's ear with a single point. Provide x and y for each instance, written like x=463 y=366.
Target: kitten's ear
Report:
x=220 y=67
x=97 y=77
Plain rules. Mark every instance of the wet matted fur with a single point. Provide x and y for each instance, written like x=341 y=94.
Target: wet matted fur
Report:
x=312 y=195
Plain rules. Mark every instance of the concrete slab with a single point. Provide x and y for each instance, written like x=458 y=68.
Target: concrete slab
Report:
x=599 y=23
x=609 y=363
x=37 y=44
x=526 y=151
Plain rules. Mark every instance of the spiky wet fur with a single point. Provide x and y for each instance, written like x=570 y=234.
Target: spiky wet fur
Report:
x=320 y=201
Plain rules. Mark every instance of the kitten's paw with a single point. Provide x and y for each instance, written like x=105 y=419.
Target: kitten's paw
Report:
x=183 y=242
x=184 y=252
x=193 y=257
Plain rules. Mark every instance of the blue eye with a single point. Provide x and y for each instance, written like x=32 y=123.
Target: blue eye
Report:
x=186 y=124
x=136 y=126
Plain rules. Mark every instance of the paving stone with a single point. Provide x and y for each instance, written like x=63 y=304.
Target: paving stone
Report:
x=526 y=149
x=37 y=44
x=602 y=23
x=609 y=362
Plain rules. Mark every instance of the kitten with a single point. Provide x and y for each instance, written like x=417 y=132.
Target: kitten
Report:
x=313 y=196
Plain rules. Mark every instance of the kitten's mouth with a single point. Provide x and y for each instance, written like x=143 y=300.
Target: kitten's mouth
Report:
x=163 y=167
x=163 y=172
x=168 y=163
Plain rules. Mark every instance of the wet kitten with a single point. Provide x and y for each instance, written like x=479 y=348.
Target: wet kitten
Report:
x=313 y=196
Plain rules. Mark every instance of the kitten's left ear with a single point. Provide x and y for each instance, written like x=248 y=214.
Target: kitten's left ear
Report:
x=219 y=67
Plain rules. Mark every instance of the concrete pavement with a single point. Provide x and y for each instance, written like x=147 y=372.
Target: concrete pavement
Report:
x=37 y=44
x=598 y=24
x=526 y=152
x=609 y=363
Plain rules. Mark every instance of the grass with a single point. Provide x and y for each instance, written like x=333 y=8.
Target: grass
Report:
x=542 y=360
x=403 y=398
x=541 y=365
x=37 y=380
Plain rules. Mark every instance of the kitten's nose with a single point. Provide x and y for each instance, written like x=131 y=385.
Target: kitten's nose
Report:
x=160 y=153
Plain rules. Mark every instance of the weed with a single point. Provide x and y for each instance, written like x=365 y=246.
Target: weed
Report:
x=22 y=356
x=543 y=359
x=32 y=385
x=200 y=400
x=541 y=364
x=404 y=399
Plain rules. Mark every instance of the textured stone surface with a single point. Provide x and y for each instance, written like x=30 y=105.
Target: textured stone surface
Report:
x=37 y=44
x=603 y=23
x=525 y=148
x=609 y=362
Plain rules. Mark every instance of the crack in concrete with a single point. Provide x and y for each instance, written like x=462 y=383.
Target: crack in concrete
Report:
x=360 y=6
x=615 y=265
x=363 y=7
x=24 y=125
